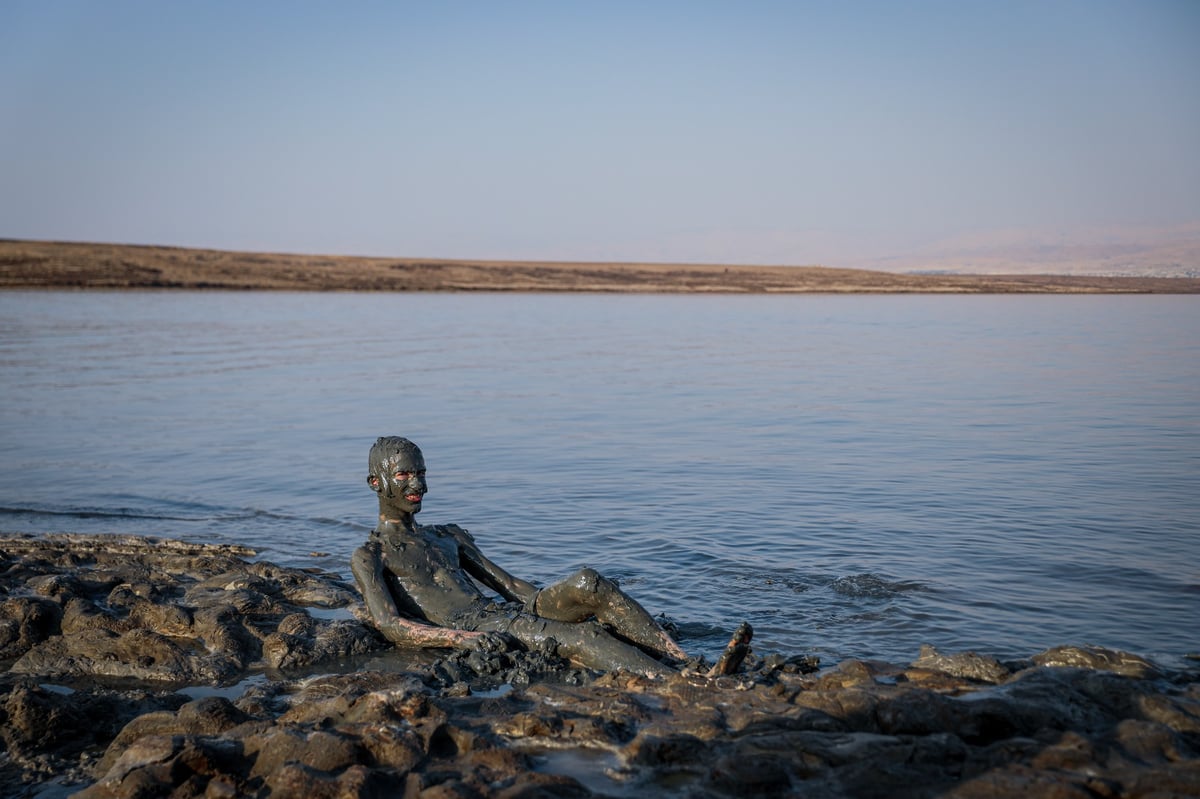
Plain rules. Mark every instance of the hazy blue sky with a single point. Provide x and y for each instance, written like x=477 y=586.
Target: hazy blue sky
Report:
x=783 y=132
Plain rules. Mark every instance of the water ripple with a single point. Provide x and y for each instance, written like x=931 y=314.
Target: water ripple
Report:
x=854 y=476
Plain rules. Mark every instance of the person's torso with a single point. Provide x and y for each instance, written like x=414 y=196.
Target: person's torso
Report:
x=427 y=568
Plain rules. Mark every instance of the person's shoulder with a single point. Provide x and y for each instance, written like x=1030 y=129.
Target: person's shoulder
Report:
x=369 y=544
x=453 y=530
x=368 y=549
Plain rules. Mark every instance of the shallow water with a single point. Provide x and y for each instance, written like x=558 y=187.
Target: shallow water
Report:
x=853 y=475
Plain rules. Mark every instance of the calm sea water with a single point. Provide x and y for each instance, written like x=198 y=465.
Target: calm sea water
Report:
x=855 y=476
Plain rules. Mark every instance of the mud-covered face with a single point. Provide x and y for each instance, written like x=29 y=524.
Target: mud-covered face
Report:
x=402 y=481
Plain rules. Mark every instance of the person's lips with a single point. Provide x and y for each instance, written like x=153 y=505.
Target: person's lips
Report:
x=413 y=497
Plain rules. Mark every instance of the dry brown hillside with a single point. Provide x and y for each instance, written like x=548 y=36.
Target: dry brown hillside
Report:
x=61 y=265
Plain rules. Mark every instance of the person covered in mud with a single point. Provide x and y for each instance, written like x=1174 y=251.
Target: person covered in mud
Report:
x=424 y=586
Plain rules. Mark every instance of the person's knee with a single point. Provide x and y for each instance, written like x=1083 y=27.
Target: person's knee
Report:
x=591 y=581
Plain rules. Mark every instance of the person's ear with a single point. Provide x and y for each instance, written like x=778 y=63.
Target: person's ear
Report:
x=374 y=483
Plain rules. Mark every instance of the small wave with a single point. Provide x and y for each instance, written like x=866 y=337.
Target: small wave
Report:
x=872 y=586
x=316 y=521
x=797 y=585
x=80 y=513
x=213 y=515
x=694 y=631
x=886 y=614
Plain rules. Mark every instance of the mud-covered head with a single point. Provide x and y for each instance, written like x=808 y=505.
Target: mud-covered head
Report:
x=397 y=475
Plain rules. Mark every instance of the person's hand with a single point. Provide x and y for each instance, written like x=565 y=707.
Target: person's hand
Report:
x=491 y=642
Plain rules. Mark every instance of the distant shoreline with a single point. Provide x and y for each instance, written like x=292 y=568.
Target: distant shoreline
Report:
x=47 y=265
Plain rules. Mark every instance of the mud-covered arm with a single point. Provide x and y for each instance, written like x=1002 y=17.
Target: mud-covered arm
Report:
x=485 y=571
x=368 y=568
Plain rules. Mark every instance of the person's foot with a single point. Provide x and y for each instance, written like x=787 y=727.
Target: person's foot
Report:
x=735 y=651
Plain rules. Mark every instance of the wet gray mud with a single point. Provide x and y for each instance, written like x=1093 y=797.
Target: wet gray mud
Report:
x=137 y=667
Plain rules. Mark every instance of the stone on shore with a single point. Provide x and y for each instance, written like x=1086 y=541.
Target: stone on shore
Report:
x=1046 y=731
x=101 y=632
x=157 y=610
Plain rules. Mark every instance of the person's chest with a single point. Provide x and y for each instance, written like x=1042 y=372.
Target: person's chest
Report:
x=422 y=555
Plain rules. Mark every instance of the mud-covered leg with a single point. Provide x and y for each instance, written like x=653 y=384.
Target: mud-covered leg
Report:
x=585 y=643
x=587 y=594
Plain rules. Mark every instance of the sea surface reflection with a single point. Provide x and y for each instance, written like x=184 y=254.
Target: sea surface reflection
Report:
x=855 y=476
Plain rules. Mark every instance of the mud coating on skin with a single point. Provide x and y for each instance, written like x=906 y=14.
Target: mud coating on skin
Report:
x=426 y=585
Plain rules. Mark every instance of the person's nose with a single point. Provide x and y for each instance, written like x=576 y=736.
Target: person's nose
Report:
x=417 y=483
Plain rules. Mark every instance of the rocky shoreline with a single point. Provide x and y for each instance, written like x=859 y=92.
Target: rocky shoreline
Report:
x=138 y=667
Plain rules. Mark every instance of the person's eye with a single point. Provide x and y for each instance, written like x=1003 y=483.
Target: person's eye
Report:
x=403 y=475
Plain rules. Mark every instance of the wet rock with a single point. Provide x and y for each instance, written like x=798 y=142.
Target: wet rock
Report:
x=80 y=614
x=206 y=716
x=296 y=779
x=1150 y=742
x=598 y=716
x=1179 y=712
x=50 y=731
x=740 y=774
x=25 y=622
x=190 y=765
x=790 y=664
x=1040 y=700
x=1043 y=732
x=1095 y=657
x=332 y=738
x=35 y=716
x=966 y=665
x=324 y=750
x=138 y=654
x=850 y=673
x=854 y=707
x=161 y=610
x=1070 y=722
x=301 y=640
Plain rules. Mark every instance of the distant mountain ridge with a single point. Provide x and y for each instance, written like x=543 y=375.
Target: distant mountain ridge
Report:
x=1111 y=252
